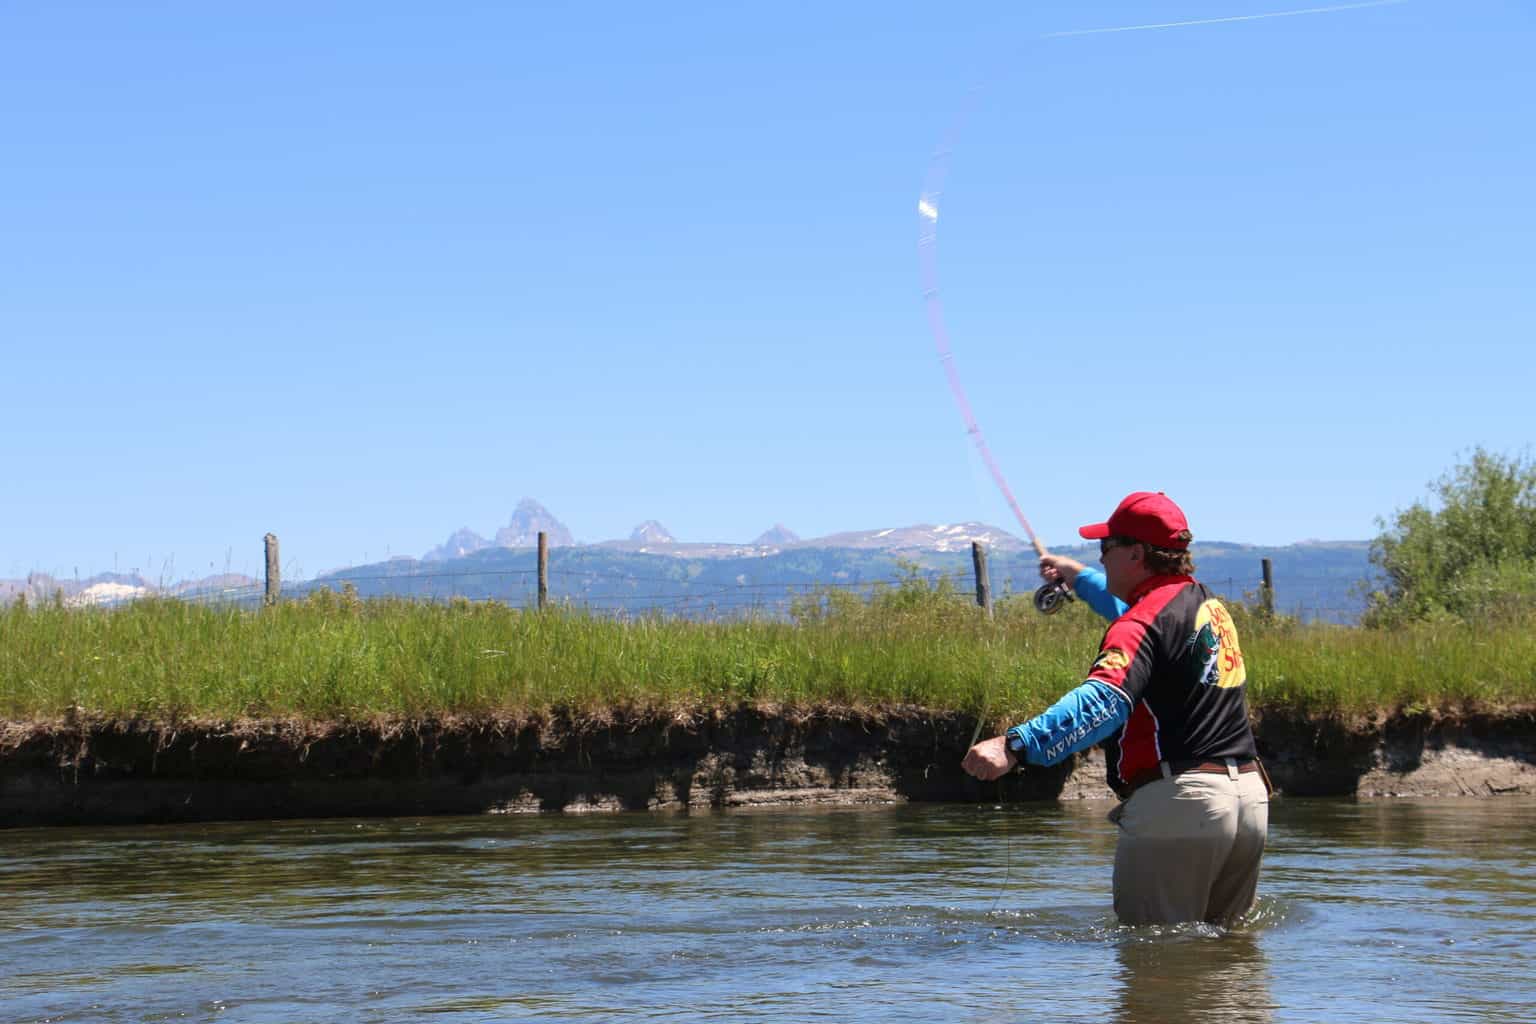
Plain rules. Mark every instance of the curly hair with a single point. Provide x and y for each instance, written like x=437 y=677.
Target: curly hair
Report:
x=1159 y=561
x=1171 y=561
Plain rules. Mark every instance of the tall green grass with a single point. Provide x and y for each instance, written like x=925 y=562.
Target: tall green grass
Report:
x=333 y=657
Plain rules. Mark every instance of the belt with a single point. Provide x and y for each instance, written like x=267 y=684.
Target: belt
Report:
x=1168 y=769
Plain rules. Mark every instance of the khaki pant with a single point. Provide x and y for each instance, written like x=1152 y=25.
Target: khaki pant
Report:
x=1189 y=848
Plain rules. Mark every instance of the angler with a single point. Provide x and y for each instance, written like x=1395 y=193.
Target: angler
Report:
x=1165 y=696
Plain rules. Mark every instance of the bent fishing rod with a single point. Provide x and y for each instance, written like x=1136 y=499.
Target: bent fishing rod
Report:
x=1053 y=595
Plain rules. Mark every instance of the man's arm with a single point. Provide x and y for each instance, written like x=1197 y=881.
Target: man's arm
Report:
x=1076 y=722
x=1089 y=584
x=1093 y=587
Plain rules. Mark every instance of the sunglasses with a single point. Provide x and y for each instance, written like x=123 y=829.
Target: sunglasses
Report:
x=1109 y=544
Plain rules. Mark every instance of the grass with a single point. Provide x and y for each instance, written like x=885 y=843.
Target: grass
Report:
x=333 y=657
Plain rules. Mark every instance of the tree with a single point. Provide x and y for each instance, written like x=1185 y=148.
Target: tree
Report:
x=1473 y=555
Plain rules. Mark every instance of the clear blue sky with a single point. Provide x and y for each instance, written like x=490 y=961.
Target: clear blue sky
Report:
x=360 y=274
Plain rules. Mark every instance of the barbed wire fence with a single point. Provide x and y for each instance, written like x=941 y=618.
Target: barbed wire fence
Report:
x=623 y=592
x=690 y=593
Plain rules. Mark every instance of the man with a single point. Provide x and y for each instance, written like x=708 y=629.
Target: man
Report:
x=1165 y=695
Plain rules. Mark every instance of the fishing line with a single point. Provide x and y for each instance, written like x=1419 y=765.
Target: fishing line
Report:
x=1048 y=598
x=1223 y=21
x=928 y=223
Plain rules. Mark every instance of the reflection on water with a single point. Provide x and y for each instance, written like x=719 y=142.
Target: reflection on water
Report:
x=1193 y=978
x=1384 y=911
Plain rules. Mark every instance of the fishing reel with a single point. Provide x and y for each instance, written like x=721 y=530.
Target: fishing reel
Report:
x=1053 y=597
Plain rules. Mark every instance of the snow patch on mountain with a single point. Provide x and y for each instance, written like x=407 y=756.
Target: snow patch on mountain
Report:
x=104 y=593
x=651 y=532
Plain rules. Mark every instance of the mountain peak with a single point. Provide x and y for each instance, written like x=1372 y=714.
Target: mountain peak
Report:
x=460 y=542
x=529 y=519
x=651 y=532
x=776 y=535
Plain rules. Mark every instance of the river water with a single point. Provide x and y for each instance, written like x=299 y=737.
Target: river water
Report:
x=1387 y=911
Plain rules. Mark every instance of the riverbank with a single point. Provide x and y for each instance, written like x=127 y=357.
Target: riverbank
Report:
x=84 y=770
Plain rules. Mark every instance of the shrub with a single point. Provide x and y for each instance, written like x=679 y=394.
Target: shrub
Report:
x=1472 y=555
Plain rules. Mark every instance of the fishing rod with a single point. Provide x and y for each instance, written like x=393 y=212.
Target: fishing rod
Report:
x=1053 y=595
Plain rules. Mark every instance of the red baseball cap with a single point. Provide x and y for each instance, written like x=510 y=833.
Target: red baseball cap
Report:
x=1148 y=516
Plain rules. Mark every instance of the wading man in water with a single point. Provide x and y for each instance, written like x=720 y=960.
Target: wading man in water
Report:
x=1165 y=696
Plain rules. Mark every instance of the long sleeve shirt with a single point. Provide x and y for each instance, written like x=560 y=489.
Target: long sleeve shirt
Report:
x=1090 y=712
x=1167 y=683
x=1093 y=587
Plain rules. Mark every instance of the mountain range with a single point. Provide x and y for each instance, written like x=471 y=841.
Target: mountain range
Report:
x=111 y=588
x=651 y=537
x=528 y=520
x=652 y=571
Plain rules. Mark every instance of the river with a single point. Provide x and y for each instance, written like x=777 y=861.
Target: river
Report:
x=1369 y=911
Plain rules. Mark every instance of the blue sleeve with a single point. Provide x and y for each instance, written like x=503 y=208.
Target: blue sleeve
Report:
x=1093 y=587
x=1076 y=722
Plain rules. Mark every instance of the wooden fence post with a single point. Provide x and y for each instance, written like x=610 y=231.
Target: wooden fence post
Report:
x=274 y=571
x=1267 y=593
x=983 y=583
x=543 y=569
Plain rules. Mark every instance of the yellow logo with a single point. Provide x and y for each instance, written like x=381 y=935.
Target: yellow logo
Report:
x=1112 y=660
x=1214 y=647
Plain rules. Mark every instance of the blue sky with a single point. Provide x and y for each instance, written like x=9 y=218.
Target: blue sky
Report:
x=360 y=274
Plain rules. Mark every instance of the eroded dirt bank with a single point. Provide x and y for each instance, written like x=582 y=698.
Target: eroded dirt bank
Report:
x=83 y=772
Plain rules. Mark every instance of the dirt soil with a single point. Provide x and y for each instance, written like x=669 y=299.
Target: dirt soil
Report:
x=80 y=771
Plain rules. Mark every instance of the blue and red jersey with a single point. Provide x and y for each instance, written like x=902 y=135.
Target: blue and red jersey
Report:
x=1167 y=685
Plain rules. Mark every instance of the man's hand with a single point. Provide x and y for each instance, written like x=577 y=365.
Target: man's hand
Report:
x=1059 y=569
x=989 y=759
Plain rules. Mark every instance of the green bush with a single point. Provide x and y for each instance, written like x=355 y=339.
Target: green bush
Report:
x=1471 y=556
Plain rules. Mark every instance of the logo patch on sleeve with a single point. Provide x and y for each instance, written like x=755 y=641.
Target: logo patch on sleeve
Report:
x=1111 y=660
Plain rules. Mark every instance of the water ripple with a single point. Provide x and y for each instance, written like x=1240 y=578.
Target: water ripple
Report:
x=1380 y=912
